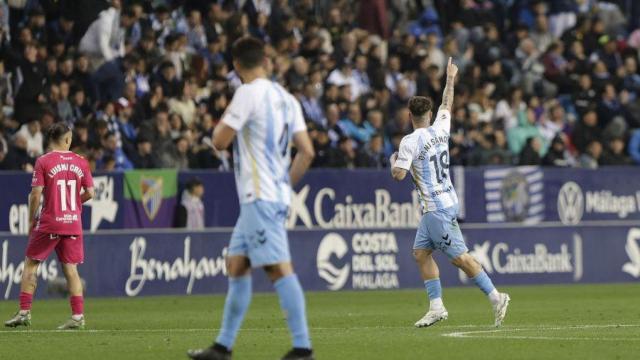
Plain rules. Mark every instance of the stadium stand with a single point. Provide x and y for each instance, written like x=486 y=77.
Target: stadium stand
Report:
x=143 y=83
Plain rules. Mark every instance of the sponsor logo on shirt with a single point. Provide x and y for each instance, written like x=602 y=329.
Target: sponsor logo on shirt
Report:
x=67 y=218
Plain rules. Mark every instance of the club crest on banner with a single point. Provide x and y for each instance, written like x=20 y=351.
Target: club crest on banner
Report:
x=151 y=190
x=514 y=194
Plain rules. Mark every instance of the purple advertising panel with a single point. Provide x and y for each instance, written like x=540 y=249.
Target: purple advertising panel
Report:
x=163 y=263
x=532 y=195
x=358 y=199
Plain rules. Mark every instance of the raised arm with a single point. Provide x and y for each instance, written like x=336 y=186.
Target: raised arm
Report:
x=447 y=96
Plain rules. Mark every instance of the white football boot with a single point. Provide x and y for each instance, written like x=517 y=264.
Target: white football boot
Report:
x=21 y=318
x=72 y=324
x=432 y=317
x=500 y=308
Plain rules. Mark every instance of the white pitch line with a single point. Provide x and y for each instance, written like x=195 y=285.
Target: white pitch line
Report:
x=481 y=333
x=94 y=331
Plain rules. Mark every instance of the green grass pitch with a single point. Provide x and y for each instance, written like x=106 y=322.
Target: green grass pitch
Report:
x=544 y=322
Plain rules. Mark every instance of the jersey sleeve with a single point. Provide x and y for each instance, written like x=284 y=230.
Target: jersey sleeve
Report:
x=405 y=155
x=238 y=111
x=443 y=120
x=87 y=179
x=298 y=124
x=38 y=174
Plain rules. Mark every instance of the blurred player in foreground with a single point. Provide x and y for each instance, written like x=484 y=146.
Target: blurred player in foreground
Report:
x=60 y=175
x=263 y=118
x=425 y=153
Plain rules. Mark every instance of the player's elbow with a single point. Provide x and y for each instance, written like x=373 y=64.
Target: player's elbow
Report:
x=309 y=154
x=445 y=107
x=219 y=143
x=90 y=194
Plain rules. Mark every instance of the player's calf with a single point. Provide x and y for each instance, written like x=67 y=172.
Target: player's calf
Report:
x=499 y=301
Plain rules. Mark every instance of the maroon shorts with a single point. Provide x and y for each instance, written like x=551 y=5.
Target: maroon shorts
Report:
x=69 y=248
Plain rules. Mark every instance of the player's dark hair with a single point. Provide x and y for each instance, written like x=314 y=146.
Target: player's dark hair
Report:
x=248 y=52
x=57 y=131
x=419 y=106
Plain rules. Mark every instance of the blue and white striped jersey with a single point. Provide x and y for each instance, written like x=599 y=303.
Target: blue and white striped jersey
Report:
x=265 y=117
x=425 y=153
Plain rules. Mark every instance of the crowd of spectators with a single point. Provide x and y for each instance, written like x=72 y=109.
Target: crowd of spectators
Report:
x=143 y=83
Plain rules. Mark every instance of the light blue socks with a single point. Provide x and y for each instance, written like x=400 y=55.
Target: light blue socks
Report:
x=434 y=288
x=434 y=291
x=483 y=282
x=293 y=305
x=235 y=306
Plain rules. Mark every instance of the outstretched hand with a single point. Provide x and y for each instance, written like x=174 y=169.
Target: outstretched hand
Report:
x=452 y=69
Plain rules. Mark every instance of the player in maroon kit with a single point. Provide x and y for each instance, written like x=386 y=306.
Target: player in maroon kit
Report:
x=61 y=176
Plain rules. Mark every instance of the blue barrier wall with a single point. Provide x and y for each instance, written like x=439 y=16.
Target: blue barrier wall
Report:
x=358 y=199
x=354 y=229
x=153 y=263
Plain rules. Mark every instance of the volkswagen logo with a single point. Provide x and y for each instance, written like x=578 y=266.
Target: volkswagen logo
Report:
x=570 y=203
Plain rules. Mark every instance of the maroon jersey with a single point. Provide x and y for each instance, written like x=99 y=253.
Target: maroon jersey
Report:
x=62 y=174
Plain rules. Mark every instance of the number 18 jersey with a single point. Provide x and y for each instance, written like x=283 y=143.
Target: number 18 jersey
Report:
x=265 y=117
x=425 y=153
x=62 y=174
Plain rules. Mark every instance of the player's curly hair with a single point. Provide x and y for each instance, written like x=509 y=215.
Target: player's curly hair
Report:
x=57 y=131
x=419 y=106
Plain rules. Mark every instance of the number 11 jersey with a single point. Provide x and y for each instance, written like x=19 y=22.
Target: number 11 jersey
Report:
x=63 y=174
x=425 y=153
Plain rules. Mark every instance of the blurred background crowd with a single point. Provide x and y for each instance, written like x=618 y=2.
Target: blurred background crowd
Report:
x=143 y=83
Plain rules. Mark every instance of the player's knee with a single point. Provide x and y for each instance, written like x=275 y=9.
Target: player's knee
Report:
x=31 y=264
x=234 y=270
x=70 y=270
x=277 y=271
x=30 y=269
x=238 y=266
x=421 y=256
x=466 y=262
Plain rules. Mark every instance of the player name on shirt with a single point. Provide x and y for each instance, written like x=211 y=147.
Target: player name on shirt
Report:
x=65 y=167
x=443 y=139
